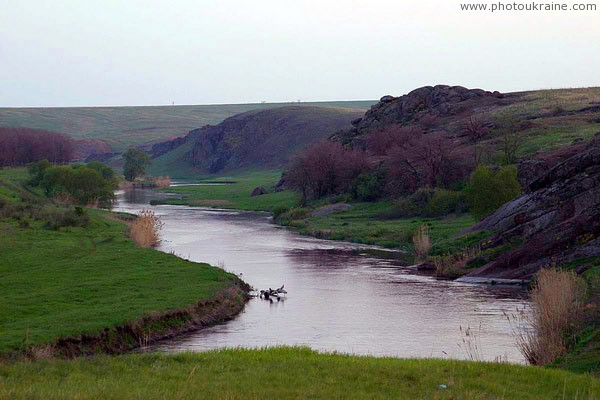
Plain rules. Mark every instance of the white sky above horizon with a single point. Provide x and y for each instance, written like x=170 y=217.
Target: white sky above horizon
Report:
x=93 y=53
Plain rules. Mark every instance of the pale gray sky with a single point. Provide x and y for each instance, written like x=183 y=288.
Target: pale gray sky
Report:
x=86 y=52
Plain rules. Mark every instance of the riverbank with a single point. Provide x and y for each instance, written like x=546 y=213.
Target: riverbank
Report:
x=362 y=222
x=284 y=373
x=73 y=283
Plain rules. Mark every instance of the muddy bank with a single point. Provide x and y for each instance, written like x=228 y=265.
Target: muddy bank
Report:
x=148 y=330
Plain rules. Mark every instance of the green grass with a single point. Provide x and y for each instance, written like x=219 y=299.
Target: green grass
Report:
x=61 y=283
x=236 y=195
x=284 y=373
x=125 y=126
x=548 y=131
x=363 y=224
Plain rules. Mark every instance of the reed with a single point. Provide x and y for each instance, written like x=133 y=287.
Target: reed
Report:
x=557 y=299
x=145 y=230
x=422 y=241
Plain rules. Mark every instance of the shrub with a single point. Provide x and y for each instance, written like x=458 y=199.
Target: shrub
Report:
x=557 y=303
x=63 y=217
x=427 y=202
x=145 y=229
x=422 y=241
x=487 y=189
x=444 y=202
x=83 y=184
x=369 y=187
x=325 y=169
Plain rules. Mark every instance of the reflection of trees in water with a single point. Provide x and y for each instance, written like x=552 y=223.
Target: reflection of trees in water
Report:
x=338 y=258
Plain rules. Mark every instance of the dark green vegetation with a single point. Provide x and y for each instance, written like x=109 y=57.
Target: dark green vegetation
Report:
x=487 y=189
x=64 y=280
x=284 y=373
x=122 y=127
x=83 y=184
x=135 y=163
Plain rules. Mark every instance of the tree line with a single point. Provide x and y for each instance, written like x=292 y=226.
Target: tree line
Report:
x=21 y=146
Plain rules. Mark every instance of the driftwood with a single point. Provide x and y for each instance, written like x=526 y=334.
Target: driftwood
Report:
x=273 y=293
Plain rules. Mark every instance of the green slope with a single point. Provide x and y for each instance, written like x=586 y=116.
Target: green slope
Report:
x=125 y=126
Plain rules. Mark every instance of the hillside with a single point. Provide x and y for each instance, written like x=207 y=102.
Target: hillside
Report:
x=254 y=139
x=120 y=127
x=544 y=119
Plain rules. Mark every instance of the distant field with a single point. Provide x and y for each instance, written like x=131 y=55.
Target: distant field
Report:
x=124 y=126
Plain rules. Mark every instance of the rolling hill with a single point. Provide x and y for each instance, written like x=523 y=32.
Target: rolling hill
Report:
x=261 y=139
x=120 y=127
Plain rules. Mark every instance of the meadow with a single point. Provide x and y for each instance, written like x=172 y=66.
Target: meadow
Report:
x=64 y=282
x=285 y=373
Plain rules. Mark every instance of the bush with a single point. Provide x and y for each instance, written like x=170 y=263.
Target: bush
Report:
x=369 y=187
x=444 y=202
x=63 y=217
x=487 y=190
x=83 y=183
x=427 y=202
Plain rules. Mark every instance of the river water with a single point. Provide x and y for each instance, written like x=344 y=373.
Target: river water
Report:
x=339 y=298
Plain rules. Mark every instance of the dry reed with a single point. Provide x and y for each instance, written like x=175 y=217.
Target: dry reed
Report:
x=162 y=181
x=145 y=229
x=453 y=263
x=556 y=307
x=422 y=241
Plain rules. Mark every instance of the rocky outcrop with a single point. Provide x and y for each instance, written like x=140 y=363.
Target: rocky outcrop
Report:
x=83 y=148
x=258 y=191
x=160 y=148
x=263 y=138
x=424 y=106
x=556 y=220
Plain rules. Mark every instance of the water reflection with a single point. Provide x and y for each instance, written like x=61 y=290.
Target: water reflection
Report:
x=340 y=298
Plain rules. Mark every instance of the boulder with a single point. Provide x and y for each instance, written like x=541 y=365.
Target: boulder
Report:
x=258 y=191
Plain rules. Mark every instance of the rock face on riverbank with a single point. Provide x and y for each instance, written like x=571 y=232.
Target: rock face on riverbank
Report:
x=264 y=138
x=556 y=220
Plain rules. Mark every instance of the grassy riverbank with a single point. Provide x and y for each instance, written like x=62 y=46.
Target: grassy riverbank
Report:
x=60 y=283
x=284 y=373
x=364 y=223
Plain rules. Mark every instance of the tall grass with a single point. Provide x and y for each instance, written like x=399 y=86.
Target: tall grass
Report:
x=145 y=229
x=162 y=181
x=422 y=241
x=557 y=304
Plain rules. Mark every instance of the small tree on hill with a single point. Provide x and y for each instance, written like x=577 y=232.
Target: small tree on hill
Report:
x=136 y=162
x=487 y=189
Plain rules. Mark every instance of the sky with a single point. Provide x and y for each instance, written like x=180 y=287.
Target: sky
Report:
x=94 y=53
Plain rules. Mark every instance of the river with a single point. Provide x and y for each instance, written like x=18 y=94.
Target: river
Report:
x=340 y=298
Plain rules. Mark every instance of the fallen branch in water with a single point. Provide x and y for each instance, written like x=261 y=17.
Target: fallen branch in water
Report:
x=276 y=293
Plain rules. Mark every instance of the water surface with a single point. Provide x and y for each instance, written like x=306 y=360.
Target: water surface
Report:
x=340 y=298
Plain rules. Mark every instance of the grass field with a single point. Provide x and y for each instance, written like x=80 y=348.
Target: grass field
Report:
x=61 y=283
x=124 y=126
x=554 y=116
x=236 y=194
x=285 y=373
